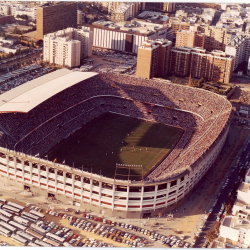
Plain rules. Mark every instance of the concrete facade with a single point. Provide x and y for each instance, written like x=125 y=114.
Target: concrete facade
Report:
x=101 y=194
x=54 y=17
x=67 y=47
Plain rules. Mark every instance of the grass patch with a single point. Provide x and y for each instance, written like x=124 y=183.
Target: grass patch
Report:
x=110 y=139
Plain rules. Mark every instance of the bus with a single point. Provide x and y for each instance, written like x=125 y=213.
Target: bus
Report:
x=19 y=239
x=36 y=235
x=55 y=238
x=3 y=201
x=42 y=244
x=5 y=232
x=3 y=218
x=21 y=220
x=16 y=205
x=17 y=225
x=26 y=236
x=51 y=242
x=40 y=215
x=9 y=227
x=37 y=229
x=10 y=209
x=30 y=217
x=6 y=214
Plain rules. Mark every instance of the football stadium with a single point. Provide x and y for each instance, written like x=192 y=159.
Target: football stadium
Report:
x=115 y=144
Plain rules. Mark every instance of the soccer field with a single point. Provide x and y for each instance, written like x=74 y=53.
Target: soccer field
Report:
x=111 y=139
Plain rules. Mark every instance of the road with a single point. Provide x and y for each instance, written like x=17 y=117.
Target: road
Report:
x=211 y=221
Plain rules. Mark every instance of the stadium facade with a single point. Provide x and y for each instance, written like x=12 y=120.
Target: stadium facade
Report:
x=204 y=116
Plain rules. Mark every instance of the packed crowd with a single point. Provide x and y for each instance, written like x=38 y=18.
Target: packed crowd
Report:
x=204 y=116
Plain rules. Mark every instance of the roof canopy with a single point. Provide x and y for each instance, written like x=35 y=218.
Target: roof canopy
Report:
x=29 y=95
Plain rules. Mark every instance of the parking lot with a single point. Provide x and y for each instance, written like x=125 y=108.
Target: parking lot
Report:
x=18 y=77
x=110 y=61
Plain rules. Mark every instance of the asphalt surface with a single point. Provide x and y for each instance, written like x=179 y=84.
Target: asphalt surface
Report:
x=211 y=221
x=20 y=60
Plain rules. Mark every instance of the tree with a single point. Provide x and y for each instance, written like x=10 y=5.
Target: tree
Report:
x=217 y=227
x=211 y=235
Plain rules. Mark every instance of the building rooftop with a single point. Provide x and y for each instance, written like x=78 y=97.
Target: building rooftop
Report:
x=29 y=95
x=122 y=8
x=244 y=187
x=236 y=223
x=134 y=27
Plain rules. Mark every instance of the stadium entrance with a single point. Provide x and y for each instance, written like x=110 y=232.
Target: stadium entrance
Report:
x=146 y=215
x=27 y=188
x=51 y=195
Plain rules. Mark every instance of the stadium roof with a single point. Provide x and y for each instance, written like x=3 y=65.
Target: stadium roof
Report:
x=29 y=95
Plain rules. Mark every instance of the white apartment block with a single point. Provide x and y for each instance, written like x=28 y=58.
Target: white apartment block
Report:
x=243 y=193
x=235 y=231
x=239 y=49
x=17 y=9
x=121 y=13
x=67 y=47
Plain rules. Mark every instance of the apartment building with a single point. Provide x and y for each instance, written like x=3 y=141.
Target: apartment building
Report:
x=235 y=229
x=147 y=60
x=180 y=60
x=198 y=63
x=5 y=19
x=121 y=13
x=135 y=6
x=67 y=47
x=220 y=66
x=235 y=232
x=165 y=47
x=189 y=39
x=153 y=58
x=168 y=6
x=80 y=17
x=54 y=16
x=215 y=38
x=239 y=47
x=216 y=65
x=177 y=25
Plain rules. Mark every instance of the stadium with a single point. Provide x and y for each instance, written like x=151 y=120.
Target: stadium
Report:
x=115 y=144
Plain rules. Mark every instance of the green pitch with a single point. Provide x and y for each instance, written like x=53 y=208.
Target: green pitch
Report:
x=111 y=139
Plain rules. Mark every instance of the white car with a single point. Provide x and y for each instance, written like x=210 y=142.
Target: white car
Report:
x=27 y=205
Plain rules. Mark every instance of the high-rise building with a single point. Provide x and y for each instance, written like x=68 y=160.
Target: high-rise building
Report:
x=147 y=59
x=52 y=17
x=177 y=25
x=239 y=47
x=198 y=62
x=67 y=47
x=80 y=18
x=135 y=6
x=180 y=61
x=216 y=65
x=190 y=39
x=153 y=58
x=169 y=7
x=165 y=47
x=121 y=13
x=219 y=66
x=215 y=38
